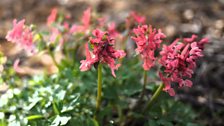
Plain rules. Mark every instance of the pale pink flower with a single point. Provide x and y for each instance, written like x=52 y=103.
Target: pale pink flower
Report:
x=86 y=17
x=139 y=19
x=16 y=66
x=17 y=31
x=134 y=18
x=85 y=20
x=52 y=17
x=56 y=37
x=21 y=35
x=101 y=21
x=112 y=29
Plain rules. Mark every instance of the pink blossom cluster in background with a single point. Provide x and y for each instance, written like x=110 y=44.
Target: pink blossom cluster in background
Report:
x=61 y=31
x=52 y=17
x=21 y=35
x=85 y=22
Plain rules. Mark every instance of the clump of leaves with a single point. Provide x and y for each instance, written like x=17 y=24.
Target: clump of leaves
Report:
x=68 y=98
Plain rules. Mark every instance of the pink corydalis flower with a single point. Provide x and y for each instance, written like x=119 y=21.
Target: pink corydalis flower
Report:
x=85 y=22
x=16 y=66
x=179 y=60
x=21 y=35
x=56 y=37
x=112 y=30
x=138 y=18
x=134 y=18
x=86 y=17
x=101 y=21
x=103 y=52
x=147 y=40
x=17 y=31
x=52 y=17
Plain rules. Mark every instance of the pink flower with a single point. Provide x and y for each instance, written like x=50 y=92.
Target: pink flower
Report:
x=16 y=66
x=112 y=30
x=21 y=35
x=52 y=17
x=66 y=25
x=56 y=37
x=179 y=60
x=16 y=32
x=202 y=43
x=167 y=84
x=101 y=21
x=139 y=19
x=86 y=17
x=134 y=18
x=86 y=64
x=147 y=41
x=103 y=52
x=27 y=40
x=85 y=20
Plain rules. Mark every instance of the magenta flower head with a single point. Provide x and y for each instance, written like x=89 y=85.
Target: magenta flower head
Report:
x=147 y=41
x=21 y=35
x=179 y=60
x=103 y=52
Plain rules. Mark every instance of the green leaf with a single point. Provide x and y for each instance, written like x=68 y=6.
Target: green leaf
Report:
x=152 y=123
x=60 y=120
x=192 y=124
x=95 y=122
x=34 y=117
x=55 y=108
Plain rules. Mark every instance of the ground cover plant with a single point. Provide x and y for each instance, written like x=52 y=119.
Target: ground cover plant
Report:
x=110 y=85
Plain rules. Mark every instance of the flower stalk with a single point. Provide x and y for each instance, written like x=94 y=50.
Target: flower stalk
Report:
x=154 y=97
x=144 y=85
x=53 y=58
x=99 y=89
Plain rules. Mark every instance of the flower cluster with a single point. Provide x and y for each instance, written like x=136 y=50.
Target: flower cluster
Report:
x=147 y=40
x=62 y=31
x=103 y=52
x=139 y=19
x=135 y=17
x=112 y=30
x=58 y=29
x=21 y=35
x=85 y=20
x=178 y=61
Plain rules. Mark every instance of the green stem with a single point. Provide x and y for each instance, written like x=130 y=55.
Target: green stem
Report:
x=99 y=89
x=34 y=117
x=53 y=59
x=144 y=85
x=120 y=114
x=154 y=97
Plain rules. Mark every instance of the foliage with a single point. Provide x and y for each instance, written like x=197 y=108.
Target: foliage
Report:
x=68 y=98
